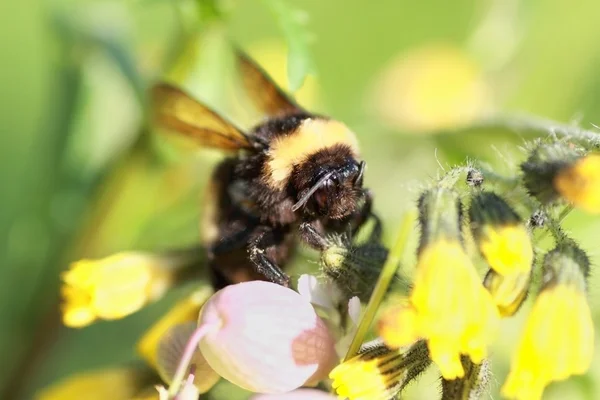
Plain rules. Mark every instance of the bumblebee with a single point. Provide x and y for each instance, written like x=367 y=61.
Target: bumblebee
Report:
x=295 y=175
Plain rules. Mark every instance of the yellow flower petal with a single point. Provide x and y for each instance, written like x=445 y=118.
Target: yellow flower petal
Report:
x=558 y=341
x=507 y=249
x=508 y=291
x=580 y=183
x=397 y=326
x=379 y=373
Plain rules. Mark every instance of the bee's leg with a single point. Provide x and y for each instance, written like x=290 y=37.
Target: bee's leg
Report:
x=311 y=232
x=232 y=240
x=217 y=279
x=262 y=243
x=227 y=255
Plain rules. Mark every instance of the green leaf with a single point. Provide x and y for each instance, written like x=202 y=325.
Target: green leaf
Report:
x=293 y=24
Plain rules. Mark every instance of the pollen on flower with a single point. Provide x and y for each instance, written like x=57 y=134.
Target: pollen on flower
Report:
x=451 y=308
x=580 y=183
x=111 y=288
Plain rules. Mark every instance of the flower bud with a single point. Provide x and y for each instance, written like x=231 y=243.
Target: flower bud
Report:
x=543 y=166
x=472 y=386
x=265 y=338
x=504 y=242
x=355 y=269
x=580 y=183
x=500 y=234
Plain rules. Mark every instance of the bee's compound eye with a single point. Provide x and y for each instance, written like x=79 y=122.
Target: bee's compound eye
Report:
x=321 y=197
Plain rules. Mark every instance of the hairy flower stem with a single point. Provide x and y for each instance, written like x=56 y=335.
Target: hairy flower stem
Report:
x=387 y=274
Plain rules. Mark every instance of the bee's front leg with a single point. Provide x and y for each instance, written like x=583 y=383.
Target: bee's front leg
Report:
x=263 y=242
x=311 y=232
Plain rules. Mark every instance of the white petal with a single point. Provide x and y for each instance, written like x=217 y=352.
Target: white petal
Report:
x=163 y=393
x=354 y=309
x=316 y=293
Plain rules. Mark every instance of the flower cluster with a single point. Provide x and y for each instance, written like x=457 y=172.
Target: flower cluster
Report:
x=478 y=261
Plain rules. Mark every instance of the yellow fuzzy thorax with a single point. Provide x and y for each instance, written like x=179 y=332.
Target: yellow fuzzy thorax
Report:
x=310 y=137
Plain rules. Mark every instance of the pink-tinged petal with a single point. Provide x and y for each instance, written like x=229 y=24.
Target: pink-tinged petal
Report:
x=269 y=338
x=299 y=394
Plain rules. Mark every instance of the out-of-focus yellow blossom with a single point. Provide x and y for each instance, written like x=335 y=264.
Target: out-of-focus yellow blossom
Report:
x=430 y=88
x=580 y=183
x=558 y=338
x=113 y=287
x=558 y=341
x=398 y=324
x=185 y=310
x=449 y=307
x=114 y=384
x=379 y=373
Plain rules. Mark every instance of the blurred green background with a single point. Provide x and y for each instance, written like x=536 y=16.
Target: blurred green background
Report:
x=84 y=176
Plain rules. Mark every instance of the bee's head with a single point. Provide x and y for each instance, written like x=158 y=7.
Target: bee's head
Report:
x=329 y=184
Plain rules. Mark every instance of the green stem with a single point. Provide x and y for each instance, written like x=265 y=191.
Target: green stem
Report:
x=387 y=274
x=540 y=125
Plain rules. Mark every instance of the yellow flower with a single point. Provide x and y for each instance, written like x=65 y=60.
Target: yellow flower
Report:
x=450 y=308
x=502 y=238
x=580 y=183
x=508 y=291
x=379 y=373
x=430 y=88
x=112 y=287
x=507 y=249
x=558 y=342
x=114 y=384
x=185 y=310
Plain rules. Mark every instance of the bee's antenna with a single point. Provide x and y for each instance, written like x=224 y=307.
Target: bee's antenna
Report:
x=312 y=190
